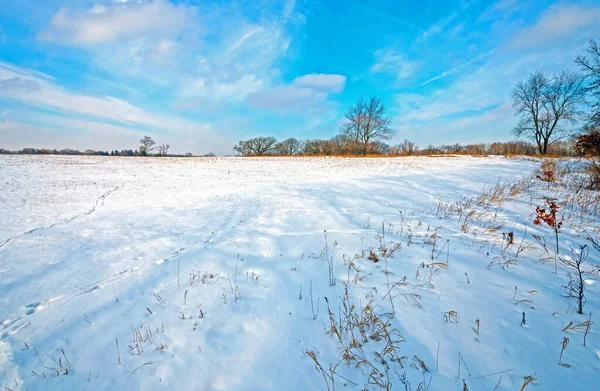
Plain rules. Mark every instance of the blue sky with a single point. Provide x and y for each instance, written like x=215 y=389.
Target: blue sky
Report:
x=201 y=75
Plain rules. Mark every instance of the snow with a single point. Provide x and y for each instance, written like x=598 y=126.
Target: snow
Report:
x=195 y=268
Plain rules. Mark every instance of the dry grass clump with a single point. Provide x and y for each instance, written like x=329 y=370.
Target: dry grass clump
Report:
x=354 y=327
x=548 y=171
x=592 y=173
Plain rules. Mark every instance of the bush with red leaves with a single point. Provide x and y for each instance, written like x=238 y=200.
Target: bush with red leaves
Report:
x=548 y=217
x=589 y=143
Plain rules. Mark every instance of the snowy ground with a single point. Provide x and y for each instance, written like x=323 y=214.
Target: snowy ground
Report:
x=213 y=274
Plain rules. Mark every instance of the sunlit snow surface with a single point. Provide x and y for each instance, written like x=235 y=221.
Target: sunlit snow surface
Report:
x=91 y=249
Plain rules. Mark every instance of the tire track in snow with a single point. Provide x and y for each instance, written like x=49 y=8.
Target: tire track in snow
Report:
x=65 y=221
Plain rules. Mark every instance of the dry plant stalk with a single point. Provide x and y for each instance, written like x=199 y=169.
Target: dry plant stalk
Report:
x=577 y=327
x=451 y=317
x=420 y=363
x=531 y=379
x=563 y=345
x=477 y=324
x=549 y=217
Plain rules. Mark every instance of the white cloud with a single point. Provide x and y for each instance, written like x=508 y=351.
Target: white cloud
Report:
x=286 y=98
x=305 y=92
x=324 y=82
x=392 y=62
x=557 y=23
x=121 y=21
x=211 y=88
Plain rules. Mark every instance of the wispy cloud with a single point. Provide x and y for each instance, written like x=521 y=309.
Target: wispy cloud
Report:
x=556 y=24
x=307 y=92
x=393 y=62
x=25 y=86
x=457 y=68
x=214 y=54
x=437 y=27
x=122 y=20
x=322 y=82
x=501 y=8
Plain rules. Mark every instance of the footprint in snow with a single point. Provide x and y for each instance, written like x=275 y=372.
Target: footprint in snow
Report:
x=31 y=308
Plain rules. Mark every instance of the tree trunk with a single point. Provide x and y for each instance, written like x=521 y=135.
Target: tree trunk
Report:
x=545 y=147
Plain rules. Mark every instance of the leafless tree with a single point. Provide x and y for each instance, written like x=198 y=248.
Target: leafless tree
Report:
x=257 y=146
x=590 y=66
x=146 y=145
x=163 y=149
x=575 y=289
x=368 y=121
x=289 y=147
x=408 y=147
x=318 y=147
x=544 y=104
x=243 y=148
x=343 y=145
x=378 y=148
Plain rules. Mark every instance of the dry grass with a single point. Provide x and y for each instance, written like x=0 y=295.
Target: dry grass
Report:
x=531 y=379
x=451 y=317
x=577 y=327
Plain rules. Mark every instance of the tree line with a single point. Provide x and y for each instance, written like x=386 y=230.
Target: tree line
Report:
x=148 y=147
x=340 y=146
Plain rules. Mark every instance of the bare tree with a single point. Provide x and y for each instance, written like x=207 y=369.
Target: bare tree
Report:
x=575 y=288
x=343 y=145
x=243 y=148
x=163 y=149
x=544 y=104
x=257 y=146
x=318 y=147
x=289 y=147
x=590 y=66
x=146 y=145
x=408 y=147
x=368 y=121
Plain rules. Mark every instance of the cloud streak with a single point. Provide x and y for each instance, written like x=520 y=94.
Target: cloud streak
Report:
x=457 y=68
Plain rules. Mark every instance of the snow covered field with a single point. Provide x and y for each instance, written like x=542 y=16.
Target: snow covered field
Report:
x=239 y=273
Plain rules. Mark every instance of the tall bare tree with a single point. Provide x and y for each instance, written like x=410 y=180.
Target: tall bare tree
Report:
x=257 y=146
x=590 y=66
x=289 y=147
x=408 y=147
x=545 y=105
x=368 y=121
x=343 y=145
x=146 y=145
x=163 y=149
